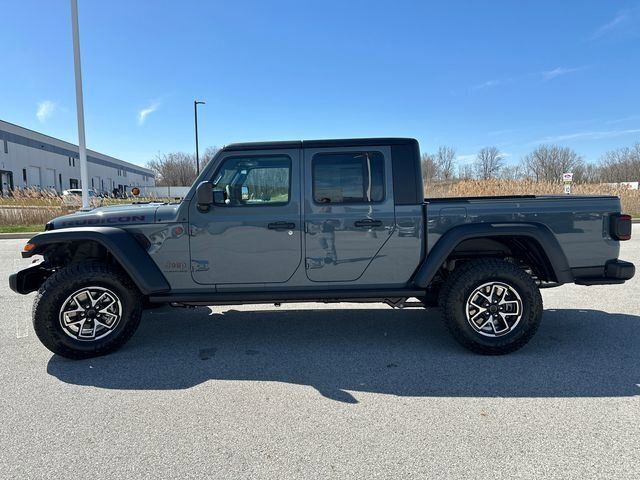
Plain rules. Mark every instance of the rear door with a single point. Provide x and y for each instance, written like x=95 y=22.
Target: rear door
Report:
x=253 y=235
x=349 y=210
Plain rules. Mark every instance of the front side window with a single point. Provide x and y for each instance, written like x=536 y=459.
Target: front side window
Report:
x=253 y=181
x=348 y=177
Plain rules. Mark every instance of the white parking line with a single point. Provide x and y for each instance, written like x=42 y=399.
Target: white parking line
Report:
x=23 y=316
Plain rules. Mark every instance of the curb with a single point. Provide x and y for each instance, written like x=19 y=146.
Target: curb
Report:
x=18 y=235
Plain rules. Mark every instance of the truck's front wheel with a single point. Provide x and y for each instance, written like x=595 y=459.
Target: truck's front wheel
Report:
x=491 y=306
x=86 y=310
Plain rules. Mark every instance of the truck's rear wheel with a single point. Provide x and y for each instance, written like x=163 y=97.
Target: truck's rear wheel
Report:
x=86 y=310
x=491 y=306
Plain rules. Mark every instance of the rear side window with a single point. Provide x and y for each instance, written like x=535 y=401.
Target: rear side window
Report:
x=348 y=177
x=253 y=181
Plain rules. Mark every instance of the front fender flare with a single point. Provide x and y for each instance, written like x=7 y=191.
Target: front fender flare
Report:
x=133 y=258
x=450 y=240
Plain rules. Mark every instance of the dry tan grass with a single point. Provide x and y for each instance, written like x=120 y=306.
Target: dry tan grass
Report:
x=37 y=198
x=472 y=188
x=30 y=215
x=35 y=207
x=29 y=197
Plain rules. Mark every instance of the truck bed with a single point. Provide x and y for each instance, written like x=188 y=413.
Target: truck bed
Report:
x=579 y=221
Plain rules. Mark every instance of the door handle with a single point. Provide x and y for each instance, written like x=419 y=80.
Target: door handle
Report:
x=281 y=226
x=367 y=223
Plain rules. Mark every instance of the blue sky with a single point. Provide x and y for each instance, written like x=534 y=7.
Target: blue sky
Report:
x=462 y=73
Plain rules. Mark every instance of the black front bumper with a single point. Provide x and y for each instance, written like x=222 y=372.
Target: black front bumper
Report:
x=29 y=280
x=614 y=272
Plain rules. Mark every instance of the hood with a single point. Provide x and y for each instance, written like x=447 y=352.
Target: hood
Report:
x=134 y=214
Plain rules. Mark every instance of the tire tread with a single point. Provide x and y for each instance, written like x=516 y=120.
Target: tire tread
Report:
x=45 y=313
x=475 y=271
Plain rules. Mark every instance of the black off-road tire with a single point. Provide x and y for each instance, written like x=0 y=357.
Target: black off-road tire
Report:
x=56 y=289
x=461 y=284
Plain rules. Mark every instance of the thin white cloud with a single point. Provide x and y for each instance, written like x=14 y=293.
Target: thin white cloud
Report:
x=623 y=19
x=45 y=110
x=145 y=112
x=546 y=76
x=622 y=120
x=590 y=135
x=557 y=72
x=490 y=84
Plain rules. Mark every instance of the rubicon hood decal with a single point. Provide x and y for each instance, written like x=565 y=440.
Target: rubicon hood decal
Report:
x=116 y=215
x=106 y=220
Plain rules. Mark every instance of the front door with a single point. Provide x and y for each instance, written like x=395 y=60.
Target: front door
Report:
x=349 y=210
x=253 y=234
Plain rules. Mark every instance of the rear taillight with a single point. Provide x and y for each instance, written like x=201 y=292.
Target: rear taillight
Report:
x=620 y=227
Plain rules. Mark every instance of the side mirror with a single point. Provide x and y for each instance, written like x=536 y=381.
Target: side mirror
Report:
x=204 y=196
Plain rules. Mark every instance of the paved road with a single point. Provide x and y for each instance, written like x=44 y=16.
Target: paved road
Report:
x=316 y=391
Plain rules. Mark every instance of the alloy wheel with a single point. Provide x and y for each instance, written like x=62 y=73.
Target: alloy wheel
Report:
x=494 y=309
x=90 y=313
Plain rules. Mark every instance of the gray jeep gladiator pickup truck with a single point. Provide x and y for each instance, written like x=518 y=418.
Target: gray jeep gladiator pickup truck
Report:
x=319 y=221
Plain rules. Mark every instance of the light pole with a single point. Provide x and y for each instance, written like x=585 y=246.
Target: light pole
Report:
x=195 y=114
x=82 y=148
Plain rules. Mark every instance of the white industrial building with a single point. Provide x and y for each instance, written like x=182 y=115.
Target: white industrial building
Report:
x=31 y=159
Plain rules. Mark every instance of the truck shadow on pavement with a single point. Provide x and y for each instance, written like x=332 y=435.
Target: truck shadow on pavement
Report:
x=576 y=353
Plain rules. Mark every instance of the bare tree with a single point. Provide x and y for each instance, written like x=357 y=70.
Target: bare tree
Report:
x=488 y=163
x=465 y=172
x=445 y=162
x=173 y=169
x=589 y=173
x=621 y=165
x=510 y=172
x=549 y=162
x=208 y=155
x=429 y=168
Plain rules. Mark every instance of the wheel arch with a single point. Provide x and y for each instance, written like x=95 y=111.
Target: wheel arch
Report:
x=534 y=243
x=94 y=242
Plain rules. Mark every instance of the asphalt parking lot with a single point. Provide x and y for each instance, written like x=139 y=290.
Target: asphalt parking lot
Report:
x=327 y=391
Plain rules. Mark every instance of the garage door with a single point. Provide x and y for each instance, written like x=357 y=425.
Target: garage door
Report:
x=33 y=177
x=49 y=178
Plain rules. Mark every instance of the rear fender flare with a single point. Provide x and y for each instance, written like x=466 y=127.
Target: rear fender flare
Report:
x=456 y=235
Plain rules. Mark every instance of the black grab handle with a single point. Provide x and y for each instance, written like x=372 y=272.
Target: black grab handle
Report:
x=368 y=223
x=281 y=226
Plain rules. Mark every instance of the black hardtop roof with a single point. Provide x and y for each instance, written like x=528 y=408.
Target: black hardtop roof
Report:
x=344 y=142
